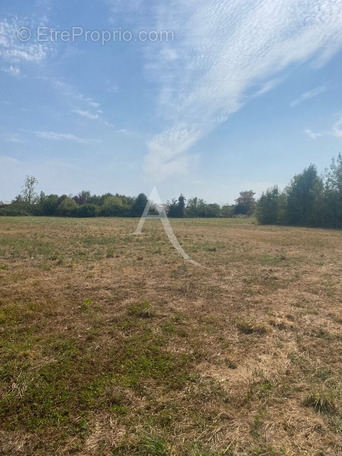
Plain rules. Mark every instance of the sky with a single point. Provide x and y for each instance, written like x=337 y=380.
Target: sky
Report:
x=205 y=97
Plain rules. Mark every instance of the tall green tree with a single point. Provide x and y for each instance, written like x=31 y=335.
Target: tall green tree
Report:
x=303 y=198
x=28 y=192
x=245 y=203
x=333 y=194
x=177 y=207
x=139 y=205
x=181 y=206
x=49 y=204
x=268 y=207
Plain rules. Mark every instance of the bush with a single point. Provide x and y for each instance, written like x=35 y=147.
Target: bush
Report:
x=87 y=210
x=67 y=208
x=49 y=204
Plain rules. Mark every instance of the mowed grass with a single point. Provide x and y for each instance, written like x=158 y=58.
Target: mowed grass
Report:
x=112 y=344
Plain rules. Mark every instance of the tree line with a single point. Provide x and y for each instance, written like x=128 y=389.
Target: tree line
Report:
x=84 y=204
x=310 y=200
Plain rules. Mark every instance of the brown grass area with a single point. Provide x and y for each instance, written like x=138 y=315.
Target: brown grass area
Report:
x=111 y=344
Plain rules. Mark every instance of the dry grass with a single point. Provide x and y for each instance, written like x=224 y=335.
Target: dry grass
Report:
x=111 y=344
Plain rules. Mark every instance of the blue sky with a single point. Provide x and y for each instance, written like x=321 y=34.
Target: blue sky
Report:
x=215 y=97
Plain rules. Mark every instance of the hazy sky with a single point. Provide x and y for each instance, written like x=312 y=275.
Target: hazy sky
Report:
x=200 y=97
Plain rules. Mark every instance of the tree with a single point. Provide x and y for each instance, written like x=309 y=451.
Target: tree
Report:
x=112 y=207
x=181 y=206
x=67 y=208
x=268 y=207
x=192 y=207
x=333 y=195
x=87 y=210
x=172 y=208
x=227 y=211
x=28 y=192
x=177 y=207
x=245 y=203
x=82 y=197
x=49 y=205
x=302 y=198
x=139 y=205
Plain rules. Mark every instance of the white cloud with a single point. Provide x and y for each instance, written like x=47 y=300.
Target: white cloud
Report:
x=166 y=151
x=112 y=87
x=307 y=95
x=86 y=114
x=224 y=54
x=71 y=93
x=89 y=101
x=336 y=131
x=12 y=70
x=313 y=135
x=268 y=86
x=12 y=138
x=14 y=52
x=94 y=104
x=50 y=135
x=122 y=131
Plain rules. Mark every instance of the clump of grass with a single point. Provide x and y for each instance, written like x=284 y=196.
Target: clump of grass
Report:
x=3 y=266
x=250 y=326
x=257 y=425
x=230 y=364
x=168 y=327
x=265 y=450
x=270 y=259
x=263 y=388
x=321 y=401
x=110 y=253
x=209 y=453
x=152 y=445
x=59 y=260
x=224 y=343
x=85 y=305
x=141 y=310
x=277 y=324
x=320 y=333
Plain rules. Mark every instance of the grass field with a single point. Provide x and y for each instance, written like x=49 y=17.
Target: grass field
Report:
x=112 y=344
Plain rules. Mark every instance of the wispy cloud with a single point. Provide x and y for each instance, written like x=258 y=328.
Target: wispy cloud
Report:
x=12 y=70
x=94 y=104
x=112 y=87
x=89 y=101
x=72 y=93
x=268 y=86
x=122 y=131
x=86 y=114
x=12 y=138
x=226 y=53
x=131 y=8
x=307 y=95
x=86 y=107
x=50 y=135
x=336 y=131
x=14 y=52
x=313 y=135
